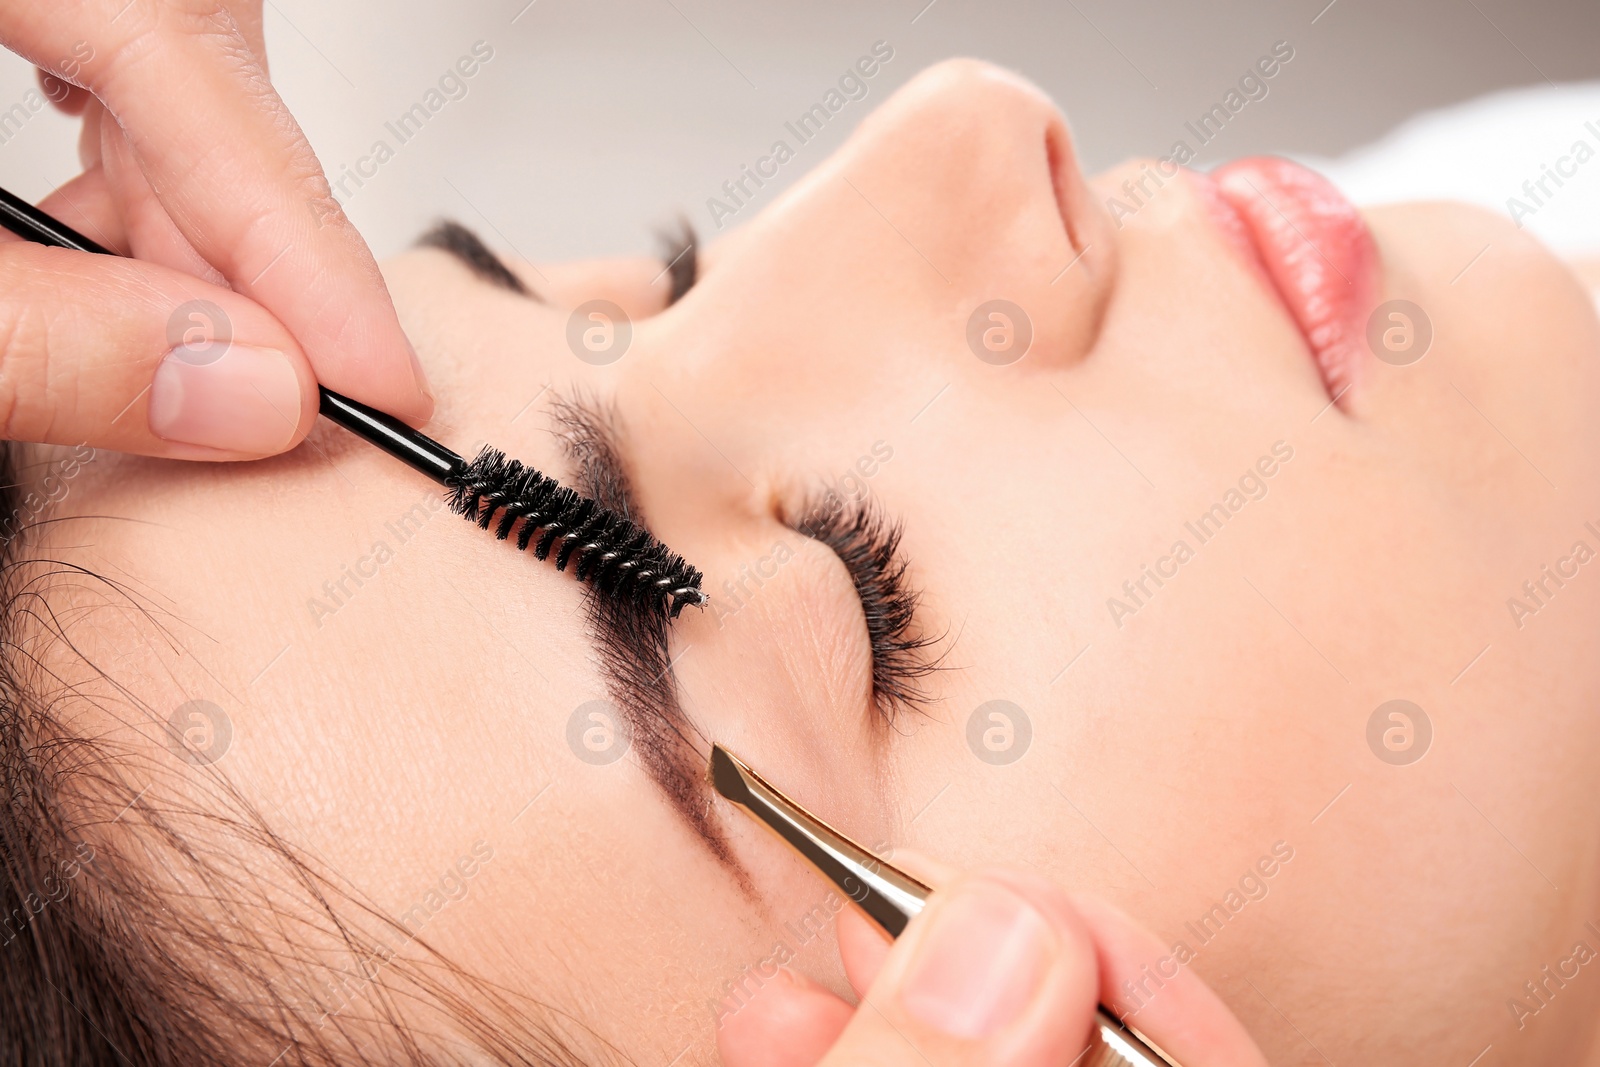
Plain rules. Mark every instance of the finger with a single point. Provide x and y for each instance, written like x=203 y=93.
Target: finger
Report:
x=89 y=134
x=85 y=203
x=993 y=973
x=152 y=236
x=234 y=171
x=789 y=1022
x=247 y=16
x=139 y=358
x=67 y=98
x=863 y=946
x=1145 y=983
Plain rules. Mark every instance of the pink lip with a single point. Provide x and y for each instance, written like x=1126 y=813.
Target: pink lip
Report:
x=1312 y=245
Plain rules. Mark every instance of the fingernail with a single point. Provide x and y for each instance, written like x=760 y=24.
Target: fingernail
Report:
x=981 y=964
x=418 y=373
x=243 y=400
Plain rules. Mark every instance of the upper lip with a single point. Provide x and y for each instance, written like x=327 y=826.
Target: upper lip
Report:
x=1316 y=251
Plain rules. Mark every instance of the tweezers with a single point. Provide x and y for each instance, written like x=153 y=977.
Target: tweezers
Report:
x=889 y=896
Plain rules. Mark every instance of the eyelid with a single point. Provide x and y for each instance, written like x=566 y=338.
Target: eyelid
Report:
x=867 y=542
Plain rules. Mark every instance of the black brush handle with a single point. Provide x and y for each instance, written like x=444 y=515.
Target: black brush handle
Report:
x=25 y=220
x=418 y=451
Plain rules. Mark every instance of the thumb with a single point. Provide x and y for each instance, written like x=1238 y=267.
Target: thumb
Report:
x=138 y=357
x=998 y=970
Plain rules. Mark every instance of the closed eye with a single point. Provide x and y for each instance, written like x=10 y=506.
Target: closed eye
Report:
x=868 y=544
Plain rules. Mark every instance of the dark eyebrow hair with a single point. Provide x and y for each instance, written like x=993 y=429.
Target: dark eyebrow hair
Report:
x=679 y=252
x=468 y=248
x=633 y=642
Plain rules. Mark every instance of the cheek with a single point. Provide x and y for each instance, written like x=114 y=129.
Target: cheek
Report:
x=1511 y=357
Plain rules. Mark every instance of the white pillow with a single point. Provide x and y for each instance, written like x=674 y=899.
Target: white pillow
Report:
x=1483 y=152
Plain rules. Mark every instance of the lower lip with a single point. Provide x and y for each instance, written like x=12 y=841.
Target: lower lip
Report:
x=1314 y=248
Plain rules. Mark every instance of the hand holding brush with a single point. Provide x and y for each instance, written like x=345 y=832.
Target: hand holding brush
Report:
x=619 y=558
x=192 y=166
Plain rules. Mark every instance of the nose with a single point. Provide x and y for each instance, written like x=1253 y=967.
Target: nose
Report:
x=971 y=170
x=952 y=238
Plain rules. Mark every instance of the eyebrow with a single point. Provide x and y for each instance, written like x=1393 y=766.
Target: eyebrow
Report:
x=679 y=253
x=468 y=248
x=633 y=642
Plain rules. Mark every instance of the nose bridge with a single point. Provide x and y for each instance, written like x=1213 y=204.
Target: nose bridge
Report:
x=974 y=169
x=965 y=103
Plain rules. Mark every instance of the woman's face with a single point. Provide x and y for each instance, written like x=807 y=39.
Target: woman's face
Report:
x=1168 y=581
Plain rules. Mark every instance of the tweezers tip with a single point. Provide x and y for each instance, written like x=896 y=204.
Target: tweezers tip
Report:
x=727 y=776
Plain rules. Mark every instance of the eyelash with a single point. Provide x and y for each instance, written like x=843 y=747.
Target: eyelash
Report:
x=868 y=545
x=680 y=257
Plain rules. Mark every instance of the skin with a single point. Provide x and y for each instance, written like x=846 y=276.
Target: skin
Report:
x=1169 y=754
x=233 y=227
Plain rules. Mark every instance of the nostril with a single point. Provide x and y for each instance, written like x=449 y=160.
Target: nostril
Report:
x=1063 y=165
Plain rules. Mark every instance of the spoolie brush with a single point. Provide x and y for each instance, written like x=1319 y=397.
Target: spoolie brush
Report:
x=616 y=556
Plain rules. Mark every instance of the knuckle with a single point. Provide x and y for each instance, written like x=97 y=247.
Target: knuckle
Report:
x=24 y=366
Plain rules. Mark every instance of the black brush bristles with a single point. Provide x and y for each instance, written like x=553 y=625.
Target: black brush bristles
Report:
x=615 y=555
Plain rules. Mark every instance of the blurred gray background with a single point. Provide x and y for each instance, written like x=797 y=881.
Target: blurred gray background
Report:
x=597 y=120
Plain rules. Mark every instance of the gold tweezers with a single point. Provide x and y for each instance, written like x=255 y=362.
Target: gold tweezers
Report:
x=887 y=895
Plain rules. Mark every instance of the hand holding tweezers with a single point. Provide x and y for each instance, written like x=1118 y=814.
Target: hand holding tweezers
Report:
x=887 y=895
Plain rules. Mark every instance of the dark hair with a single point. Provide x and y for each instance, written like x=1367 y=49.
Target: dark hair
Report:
x=137 y=931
